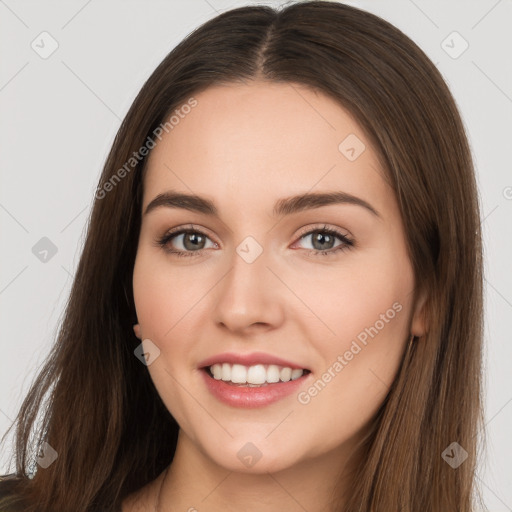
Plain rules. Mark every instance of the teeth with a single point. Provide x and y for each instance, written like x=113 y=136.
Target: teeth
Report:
x=226 y=371
x=285 y=374
x=273 y=373
x=254 y=375
x=296 y=373
x=216 y=370
x=238 y=374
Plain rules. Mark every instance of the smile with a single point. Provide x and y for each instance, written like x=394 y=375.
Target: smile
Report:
x=249 y=395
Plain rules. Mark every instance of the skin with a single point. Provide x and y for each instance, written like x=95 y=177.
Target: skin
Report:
x=244 y=147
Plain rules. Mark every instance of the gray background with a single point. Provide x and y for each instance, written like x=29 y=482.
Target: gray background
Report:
x=59 y=116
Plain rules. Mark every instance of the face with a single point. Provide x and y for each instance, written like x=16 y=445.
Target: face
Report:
x=261 y=284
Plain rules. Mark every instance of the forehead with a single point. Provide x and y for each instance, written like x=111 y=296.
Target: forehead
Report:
x=244 y=144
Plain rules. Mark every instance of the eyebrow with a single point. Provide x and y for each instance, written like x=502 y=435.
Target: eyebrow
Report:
x=282 y=207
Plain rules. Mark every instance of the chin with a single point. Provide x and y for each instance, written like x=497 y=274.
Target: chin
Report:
x=253 y=457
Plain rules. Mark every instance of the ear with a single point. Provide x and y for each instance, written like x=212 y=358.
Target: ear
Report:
x=419 y=322
x=136 y=330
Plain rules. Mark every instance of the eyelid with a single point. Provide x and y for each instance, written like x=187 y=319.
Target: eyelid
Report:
x=324 y=227
x=189 y=227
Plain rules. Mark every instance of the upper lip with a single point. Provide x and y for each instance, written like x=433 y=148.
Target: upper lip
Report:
x=249 y=360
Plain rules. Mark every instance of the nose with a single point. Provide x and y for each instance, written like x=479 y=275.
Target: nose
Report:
x=251 y=295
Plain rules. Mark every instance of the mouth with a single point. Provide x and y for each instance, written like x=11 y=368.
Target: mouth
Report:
x=255 y=379
x=253 y=386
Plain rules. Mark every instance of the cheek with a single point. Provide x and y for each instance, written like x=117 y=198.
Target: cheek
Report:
x=369 y=313
x=164 y=295
x=372 y=301
x=364 y=307
x=364 y=292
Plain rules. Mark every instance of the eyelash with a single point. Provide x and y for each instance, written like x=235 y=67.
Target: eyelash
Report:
x=347 y=242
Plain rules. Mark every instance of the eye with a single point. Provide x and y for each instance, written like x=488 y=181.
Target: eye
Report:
x=323 y=240
x=190 y=241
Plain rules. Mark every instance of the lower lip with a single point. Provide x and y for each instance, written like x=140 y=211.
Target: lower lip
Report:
x=251 y=397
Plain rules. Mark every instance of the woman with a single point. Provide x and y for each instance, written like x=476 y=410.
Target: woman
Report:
x=208 y=358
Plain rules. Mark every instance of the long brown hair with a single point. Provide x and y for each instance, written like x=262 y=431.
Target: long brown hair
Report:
x=100 y=411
